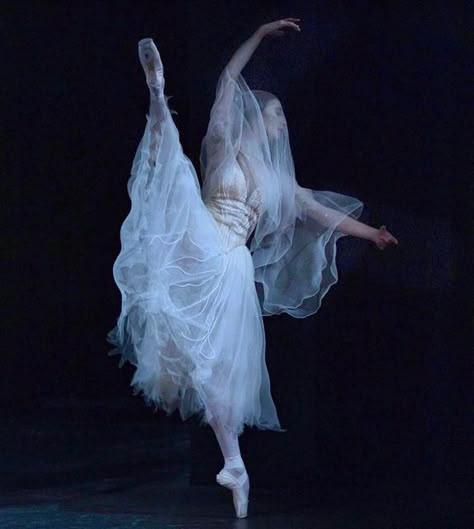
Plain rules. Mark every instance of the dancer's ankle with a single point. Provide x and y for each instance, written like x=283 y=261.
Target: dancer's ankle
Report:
x=234 y=462
x=156 y=93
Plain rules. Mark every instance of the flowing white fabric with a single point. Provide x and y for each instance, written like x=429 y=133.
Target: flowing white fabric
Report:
x=191 y=317
x=294 y=244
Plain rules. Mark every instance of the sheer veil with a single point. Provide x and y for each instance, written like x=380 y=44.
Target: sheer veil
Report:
x=294 y=242
x=178 y=280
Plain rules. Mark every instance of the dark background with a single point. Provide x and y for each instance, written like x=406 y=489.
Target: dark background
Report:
x=374 y=386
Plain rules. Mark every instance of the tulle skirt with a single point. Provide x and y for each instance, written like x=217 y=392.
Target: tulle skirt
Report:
x=190 y=321
x=211 y=363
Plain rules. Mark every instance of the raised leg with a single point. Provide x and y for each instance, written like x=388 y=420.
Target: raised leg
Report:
x=154 y=73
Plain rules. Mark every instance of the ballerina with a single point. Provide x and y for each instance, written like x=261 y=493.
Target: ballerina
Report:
x=193 y=292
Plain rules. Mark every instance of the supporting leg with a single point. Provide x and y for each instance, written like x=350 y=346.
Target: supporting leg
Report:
x=227 y=439
x=234 y=474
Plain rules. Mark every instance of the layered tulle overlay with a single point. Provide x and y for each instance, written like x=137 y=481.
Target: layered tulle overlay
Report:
x=191 y=316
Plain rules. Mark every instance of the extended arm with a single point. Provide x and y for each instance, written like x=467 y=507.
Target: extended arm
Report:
x=380 y=237
x=326 y=216
x=353 y=227
x=241 y=57
x=243 y=54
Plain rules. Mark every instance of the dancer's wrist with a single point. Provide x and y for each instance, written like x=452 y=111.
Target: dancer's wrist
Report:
x=259 y=33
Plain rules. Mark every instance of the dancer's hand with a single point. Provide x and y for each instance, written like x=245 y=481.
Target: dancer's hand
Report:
x=277 y=28
x=383 y=238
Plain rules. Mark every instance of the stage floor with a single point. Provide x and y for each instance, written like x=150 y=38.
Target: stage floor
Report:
x=73 y=464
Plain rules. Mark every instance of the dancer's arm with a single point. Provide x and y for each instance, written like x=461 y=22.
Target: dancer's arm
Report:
x=326 y=216
x=243 y=54
x=380 y=237
x=237 y=62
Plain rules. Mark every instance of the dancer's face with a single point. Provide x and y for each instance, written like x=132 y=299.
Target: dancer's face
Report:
x=274 y=118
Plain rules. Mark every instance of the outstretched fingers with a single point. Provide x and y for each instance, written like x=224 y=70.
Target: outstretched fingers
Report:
x=279 y=27
x=291 y=23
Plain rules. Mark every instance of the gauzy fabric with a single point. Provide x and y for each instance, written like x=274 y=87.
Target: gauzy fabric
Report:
x=198 y=268
x=294 y=244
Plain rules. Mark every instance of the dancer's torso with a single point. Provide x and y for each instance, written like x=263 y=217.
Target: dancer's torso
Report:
x=234 y=207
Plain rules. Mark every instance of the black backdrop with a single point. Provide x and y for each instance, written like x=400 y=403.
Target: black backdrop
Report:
x=376 y=96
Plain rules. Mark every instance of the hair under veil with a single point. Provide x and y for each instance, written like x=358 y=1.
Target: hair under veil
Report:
x=294 y=243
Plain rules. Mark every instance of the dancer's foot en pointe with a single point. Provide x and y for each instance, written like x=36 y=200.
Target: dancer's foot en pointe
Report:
x=153 y=67
x=235 y=478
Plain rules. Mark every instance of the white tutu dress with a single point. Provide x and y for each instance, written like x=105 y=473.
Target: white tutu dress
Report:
x=199 y=268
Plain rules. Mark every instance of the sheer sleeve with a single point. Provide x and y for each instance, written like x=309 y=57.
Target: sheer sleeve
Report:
x=298 y=281
x=221 y=112
x=321 y=207
x=293 y=245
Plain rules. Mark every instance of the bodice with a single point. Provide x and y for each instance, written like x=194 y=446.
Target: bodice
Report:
x=234 y=207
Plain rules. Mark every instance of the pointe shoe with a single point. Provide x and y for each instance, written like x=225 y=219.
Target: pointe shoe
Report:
x=236 y=485
x=153 y=67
